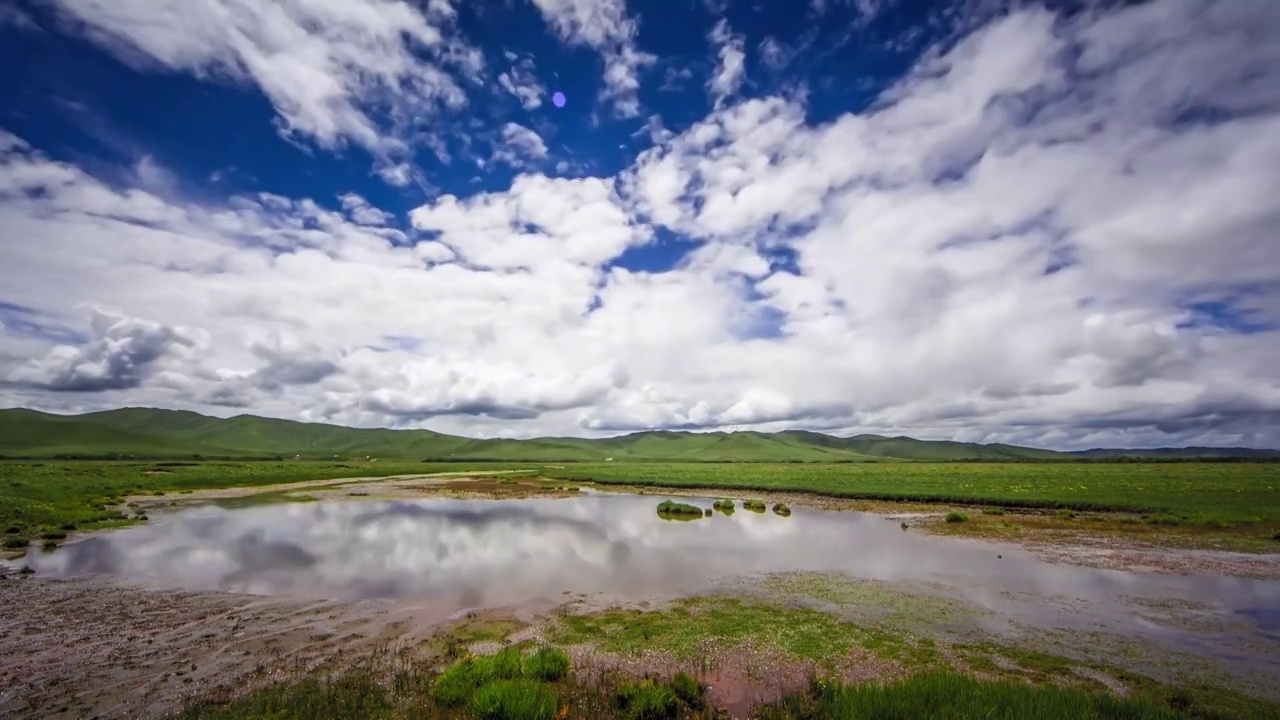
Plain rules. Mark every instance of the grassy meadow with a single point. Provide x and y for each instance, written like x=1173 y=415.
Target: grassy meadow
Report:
x=40 y=499
x=1219 y=494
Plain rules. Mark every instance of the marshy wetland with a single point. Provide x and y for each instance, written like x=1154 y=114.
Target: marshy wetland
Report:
x=372 y=587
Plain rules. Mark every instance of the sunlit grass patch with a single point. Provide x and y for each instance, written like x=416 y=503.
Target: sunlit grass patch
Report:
x=547 y=664
x=514 y=700
x=958 y=697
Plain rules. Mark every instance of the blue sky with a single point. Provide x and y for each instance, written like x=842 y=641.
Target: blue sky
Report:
x=1014 y=222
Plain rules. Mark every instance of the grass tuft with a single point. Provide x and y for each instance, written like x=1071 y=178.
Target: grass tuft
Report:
x=1066 y=514
x=956 y=517
x=689 y=691
x=781 y=509
x=754 y=505
x=547 y=664
x=514 y=700
x=647 y=701
x=456 y=684
x=15 y=543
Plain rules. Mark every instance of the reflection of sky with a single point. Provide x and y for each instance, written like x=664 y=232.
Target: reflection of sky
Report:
x=469 y=553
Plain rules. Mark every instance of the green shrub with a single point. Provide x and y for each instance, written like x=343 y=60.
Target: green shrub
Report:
x=782 y=509
x=548 y=664
x=723 y=505
x=647 y=701
x=689 y=691
x=53 y=535
x=514 y=700
x=956 y=517
x=15 y=543
x=993 y=511
x=1066 y=514
x=13 y=530
x=754 y=505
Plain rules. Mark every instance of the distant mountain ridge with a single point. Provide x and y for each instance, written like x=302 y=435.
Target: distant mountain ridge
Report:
x=150 y=432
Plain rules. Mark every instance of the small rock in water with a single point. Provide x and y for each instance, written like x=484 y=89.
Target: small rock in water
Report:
x=904 y=526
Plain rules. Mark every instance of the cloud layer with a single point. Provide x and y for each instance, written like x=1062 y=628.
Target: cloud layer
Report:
x=1057 y=231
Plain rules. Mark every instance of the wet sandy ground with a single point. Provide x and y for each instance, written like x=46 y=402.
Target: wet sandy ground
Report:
x=84 y=647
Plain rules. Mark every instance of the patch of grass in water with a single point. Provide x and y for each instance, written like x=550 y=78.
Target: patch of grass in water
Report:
x=781 y=509
x=875 y=603
x=690 y=628
x=956 y=517
x=647 y=700
x=668 y=510
x=754 y=505
x=689 y=691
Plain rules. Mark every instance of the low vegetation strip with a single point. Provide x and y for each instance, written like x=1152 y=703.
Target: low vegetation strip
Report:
x=501 y=687
x=1196 y=493
x=958 y=697
x=41 y=497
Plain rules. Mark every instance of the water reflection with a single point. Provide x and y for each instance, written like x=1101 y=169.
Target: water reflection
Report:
x=468 y=553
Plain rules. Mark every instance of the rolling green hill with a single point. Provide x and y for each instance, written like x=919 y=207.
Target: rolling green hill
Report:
x=148 y=432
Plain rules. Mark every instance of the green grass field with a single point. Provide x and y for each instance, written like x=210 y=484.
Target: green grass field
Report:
x=38 y=498
x=1199 y=493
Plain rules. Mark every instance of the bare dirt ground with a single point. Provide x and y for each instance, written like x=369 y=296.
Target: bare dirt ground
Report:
x=85 y=648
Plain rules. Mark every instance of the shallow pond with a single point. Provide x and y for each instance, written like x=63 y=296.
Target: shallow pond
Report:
x=488 y=553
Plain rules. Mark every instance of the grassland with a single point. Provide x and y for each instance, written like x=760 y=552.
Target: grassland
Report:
x=39 y=498
x=1216 y=494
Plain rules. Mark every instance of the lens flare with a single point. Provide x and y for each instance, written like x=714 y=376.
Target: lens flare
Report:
x=558 y=99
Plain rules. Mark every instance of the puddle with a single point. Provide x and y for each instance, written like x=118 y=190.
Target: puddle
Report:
x=460 y=554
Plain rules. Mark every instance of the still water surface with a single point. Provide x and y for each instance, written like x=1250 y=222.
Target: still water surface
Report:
x=487 y=553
